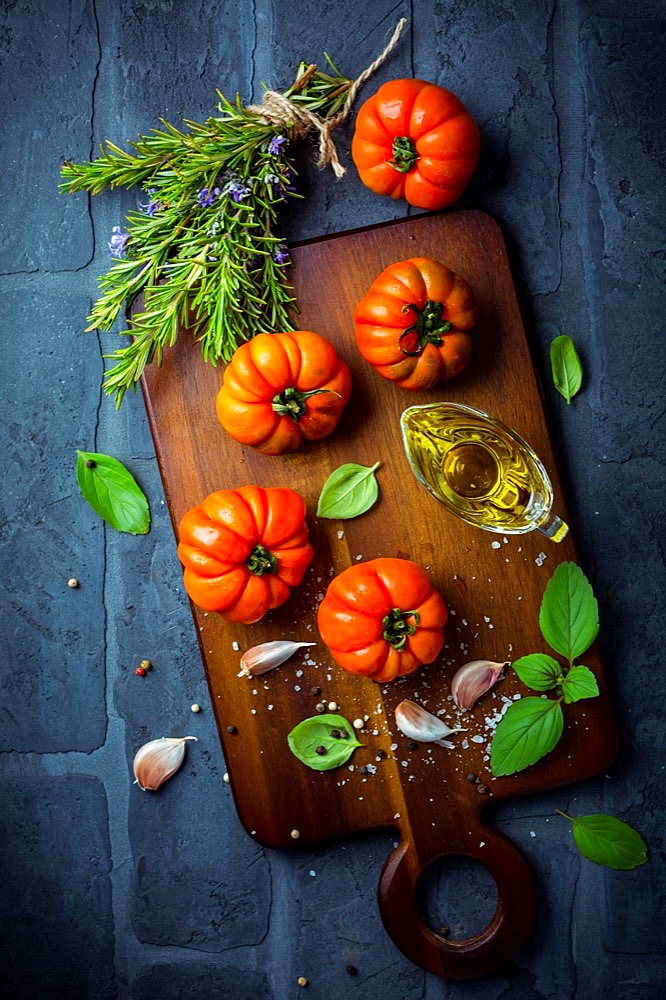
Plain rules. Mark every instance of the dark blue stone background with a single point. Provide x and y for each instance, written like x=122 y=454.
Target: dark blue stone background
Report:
x=110 y=893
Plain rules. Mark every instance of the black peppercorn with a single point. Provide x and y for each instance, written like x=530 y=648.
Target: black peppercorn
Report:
x=320 y=750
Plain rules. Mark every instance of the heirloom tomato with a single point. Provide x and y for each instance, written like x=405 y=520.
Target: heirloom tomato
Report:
x=413 y=326
x=417 y=141
x=280 y=388
x=243 y=550
x=382 y=619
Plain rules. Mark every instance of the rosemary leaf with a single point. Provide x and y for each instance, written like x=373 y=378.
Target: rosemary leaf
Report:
x=201 y=251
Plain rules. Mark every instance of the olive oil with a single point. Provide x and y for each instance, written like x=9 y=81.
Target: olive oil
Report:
x=479 y=469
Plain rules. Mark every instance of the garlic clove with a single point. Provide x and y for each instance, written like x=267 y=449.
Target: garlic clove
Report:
x=268 y=655
x=473 y=680
x=157 y=761
x=418 y=724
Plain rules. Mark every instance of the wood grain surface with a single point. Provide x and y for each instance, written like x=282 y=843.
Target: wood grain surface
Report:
x=492 y=585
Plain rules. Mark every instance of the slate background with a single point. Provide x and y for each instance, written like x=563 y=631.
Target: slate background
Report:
x=109 y=893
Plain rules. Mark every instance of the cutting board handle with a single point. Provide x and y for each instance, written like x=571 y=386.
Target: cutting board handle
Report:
x=475 y=956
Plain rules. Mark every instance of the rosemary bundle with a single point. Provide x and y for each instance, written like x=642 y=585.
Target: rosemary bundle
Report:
x=201 y=249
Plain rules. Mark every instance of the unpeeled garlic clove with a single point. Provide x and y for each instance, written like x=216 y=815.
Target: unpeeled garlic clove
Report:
x=268 y=655
x=418 y=724
x=157 y=761
x=473 y=680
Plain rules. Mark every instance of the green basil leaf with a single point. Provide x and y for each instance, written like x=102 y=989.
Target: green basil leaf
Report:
x=565 y=366
x=526 y=733
x=579 y=683
x=569 y=615
x=317 y=733
x=608 y=841
x=349 y=491
x=112 y=492
x=538 y=671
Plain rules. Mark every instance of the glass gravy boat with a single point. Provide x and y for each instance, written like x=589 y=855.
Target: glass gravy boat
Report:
x=479 y=469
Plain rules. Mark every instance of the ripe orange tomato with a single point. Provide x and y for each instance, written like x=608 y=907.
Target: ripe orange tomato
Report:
x=281 y=388
x=382 y=619
x=417 y=141
x=414 y=324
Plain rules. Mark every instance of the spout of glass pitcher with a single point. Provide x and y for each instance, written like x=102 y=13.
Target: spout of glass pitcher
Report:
x=553 y=527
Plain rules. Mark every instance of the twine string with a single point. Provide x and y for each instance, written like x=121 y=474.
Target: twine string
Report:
x=276 y=109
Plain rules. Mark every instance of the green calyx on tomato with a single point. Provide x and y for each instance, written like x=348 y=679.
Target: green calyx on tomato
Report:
x=397 y=628
x=261 y=561
x=292 y=403
x=427 y=329
x=404 y=154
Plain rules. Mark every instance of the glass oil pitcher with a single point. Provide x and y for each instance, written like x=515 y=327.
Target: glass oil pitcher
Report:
x=479 y=469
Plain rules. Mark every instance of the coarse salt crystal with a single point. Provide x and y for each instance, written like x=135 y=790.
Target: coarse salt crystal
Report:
x=496 y=545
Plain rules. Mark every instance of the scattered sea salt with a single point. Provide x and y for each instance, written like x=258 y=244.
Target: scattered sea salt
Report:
x=541 y=558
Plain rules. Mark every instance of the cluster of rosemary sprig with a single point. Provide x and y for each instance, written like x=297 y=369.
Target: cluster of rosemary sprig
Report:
x=201 y=249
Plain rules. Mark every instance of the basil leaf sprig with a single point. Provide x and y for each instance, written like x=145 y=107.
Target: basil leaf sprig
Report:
x=566 y=368
x=569 y=622
x=112 y=492
x=349 y=491
x=323 y=742
x=607 y=841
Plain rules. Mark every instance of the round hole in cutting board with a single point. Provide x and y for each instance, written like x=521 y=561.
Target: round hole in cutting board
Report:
x=457 y=897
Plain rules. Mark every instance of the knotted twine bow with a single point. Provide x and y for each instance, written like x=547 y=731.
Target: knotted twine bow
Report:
x=276 y=109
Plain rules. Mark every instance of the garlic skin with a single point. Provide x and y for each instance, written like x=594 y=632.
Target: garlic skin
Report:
x=418 y=724
x=267 y=656
x=473 y=680
x=157 y=761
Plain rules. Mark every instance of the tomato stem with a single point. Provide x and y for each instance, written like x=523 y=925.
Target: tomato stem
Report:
x=291 y=402
x=261 y=561
x=404 y=154
x=397 y=628
x=427 y=329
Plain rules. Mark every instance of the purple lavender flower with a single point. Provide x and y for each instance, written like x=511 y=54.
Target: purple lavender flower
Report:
x=276 y=144
x=276 y=183
x=281 y=255
x=118 y=242
x=207 y=196
x=150 y=207
x=237 y=191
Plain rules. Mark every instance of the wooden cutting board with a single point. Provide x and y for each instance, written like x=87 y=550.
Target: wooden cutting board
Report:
x=492 y=585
